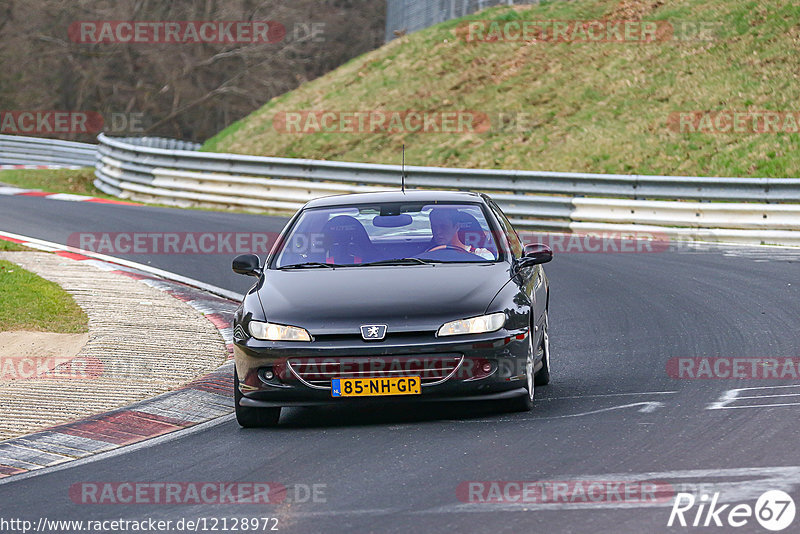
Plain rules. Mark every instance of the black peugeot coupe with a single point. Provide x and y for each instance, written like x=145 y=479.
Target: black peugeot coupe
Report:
x=415 y=295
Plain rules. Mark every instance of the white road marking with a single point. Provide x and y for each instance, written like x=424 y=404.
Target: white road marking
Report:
x=41 y=247
x=69 y=197
x=9 y=190
x=732 y=395
x=651 y=407
x=646 y=407
x=333 y=513
x=610 y=395
x=780 y=395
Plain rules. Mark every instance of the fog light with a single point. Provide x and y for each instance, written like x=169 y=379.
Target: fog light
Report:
x=268 y=375
x=476 y=369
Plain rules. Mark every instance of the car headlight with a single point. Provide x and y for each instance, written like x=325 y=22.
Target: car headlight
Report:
x=473 y=325
x=278 y=332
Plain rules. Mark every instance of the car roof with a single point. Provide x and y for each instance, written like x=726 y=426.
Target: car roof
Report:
x=413 y=195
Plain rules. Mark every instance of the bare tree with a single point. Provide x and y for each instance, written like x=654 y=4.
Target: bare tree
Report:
x=187 y=90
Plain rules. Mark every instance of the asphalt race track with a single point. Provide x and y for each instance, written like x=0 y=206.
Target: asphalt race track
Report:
x=612 y=412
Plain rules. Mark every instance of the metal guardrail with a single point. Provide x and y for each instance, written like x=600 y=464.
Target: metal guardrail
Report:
x=411 y=15
x=747 y=210
x=159 y=142
x=283 y=184
x=20 y=150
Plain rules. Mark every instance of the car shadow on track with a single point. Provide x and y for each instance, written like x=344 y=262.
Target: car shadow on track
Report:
x=408 y=413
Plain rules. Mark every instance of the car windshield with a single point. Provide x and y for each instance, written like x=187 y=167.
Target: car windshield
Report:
x=388 y=234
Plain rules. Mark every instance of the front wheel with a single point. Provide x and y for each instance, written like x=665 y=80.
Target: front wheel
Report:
x=248 y=417
x=524 y=403
x=542 y=376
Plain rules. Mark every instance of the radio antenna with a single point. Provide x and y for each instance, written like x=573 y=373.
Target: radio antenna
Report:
x=403 y=174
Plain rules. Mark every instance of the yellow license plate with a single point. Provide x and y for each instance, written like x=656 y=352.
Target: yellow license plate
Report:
x=374 y=387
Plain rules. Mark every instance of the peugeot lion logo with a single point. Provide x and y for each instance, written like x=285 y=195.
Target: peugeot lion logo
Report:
x=373 y=332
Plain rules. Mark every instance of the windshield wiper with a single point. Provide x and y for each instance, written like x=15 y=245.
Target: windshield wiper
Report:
x=309 y=265
x=399 y=261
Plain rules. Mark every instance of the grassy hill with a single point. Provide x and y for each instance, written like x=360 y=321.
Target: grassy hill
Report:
x=567 y=106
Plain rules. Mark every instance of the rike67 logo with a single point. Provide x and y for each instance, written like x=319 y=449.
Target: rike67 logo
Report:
x=774 y=510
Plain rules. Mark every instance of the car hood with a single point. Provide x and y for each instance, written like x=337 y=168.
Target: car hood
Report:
x=406 y=298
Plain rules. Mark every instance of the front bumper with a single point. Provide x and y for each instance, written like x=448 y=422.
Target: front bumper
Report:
x=502 y=395
x=504 y=351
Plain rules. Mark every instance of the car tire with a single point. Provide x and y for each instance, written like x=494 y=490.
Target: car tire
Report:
x=524 y=403
x=248 y=417
x=542 y=376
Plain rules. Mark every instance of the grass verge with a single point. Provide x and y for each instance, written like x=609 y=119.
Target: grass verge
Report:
x=9 y=246
x=73 y=181
x=29 y=302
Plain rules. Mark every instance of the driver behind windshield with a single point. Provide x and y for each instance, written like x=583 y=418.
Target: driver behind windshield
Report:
x=445 y=229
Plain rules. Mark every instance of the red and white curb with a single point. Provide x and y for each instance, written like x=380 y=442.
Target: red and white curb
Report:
x=203 y=399
x=17 y=191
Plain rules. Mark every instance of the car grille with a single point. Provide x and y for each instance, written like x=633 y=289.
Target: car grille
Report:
x=397 y=337
x=318 y=372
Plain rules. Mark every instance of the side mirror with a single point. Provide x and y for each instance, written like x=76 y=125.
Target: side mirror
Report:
x=535 y=254
x=247 y=264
